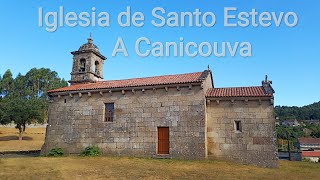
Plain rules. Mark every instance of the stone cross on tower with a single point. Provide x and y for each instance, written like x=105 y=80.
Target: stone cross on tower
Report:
x=266 y=84
x=87 y=64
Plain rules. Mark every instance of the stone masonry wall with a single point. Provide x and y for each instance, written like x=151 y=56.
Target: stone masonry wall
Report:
x=79 y=123
x=256 y=144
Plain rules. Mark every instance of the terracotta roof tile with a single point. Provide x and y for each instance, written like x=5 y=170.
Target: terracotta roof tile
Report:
x=254 y=91
x=304 y=140
x=137 y=82
x=310 y=153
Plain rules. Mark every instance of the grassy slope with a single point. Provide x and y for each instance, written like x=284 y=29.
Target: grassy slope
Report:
x=136 y=168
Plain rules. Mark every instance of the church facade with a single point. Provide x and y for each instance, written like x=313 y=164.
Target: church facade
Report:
x=173 y=116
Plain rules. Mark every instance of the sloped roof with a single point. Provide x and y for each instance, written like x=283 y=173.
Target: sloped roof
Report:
x=254 y=91
x=310 y=153
x=304 y=140
x=138 y=82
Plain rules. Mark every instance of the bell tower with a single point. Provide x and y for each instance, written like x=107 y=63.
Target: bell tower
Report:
x=87 y=64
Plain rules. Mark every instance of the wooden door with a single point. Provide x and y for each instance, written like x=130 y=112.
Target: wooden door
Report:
x=163 y=140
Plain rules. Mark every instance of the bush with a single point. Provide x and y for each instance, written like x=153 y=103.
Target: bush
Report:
x=91 y=151
x=56 y=152
x=307 y=160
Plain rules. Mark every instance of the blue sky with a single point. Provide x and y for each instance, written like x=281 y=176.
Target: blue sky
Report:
x=288 y=55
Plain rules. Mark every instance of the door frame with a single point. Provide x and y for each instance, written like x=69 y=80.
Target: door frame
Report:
x=168 y=140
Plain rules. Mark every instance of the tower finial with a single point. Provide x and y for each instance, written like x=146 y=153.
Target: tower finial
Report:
x=266 y=78
x=90 y=40
x=209 y=68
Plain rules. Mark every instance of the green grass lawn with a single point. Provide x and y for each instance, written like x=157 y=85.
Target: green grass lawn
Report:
x=140 y=168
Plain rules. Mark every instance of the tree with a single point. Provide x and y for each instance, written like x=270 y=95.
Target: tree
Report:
x=20 y=89
x=315 y=131
x=22 y=112
x=7 y=84
x=24 y=99
x=39 y=81
x=1 y=107
x=0 y=85
x=291 y=132
x=1 y=112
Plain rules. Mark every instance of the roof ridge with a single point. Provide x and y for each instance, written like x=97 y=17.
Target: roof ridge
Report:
x=149 y=77
x=195 y=77
x=235 y=87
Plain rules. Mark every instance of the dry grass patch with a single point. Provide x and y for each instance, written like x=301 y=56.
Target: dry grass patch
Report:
x=33 y=139
x=139 y=168
x=131 y=168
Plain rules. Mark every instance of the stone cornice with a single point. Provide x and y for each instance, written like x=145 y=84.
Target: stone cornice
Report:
x=89 y=72
x=244 y=99
x=178 y=87
x=89 y=51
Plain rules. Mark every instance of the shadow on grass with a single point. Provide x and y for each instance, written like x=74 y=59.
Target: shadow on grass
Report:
x=12 y=138
x=20 y=154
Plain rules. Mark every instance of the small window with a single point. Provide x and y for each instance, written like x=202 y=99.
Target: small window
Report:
x=65 y=100
x=82 y=65
x=96 y=68
x=238 y=126
x=109 y=112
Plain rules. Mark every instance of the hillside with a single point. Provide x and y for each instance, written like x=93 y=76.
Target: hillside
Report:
x=308 y=112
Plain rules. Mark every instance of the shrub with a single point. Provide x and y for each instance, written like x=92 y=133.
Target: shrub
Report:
x=56 y=152
x=306 y=159
x=91 y=151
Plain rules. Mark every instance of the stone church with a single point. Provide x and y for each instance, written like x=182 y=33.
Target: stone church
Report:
x=180 y=116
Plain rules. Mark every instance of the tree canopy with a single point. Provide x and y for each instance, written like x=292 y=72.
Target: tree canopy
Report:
x=24 y=98
x=308 y=112
x=306 y=129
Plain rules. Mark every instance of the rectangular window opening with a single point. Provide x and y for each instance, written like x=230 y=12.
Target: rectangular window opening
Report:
x=109 y=112
x=82 y=65
x=238 y=126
